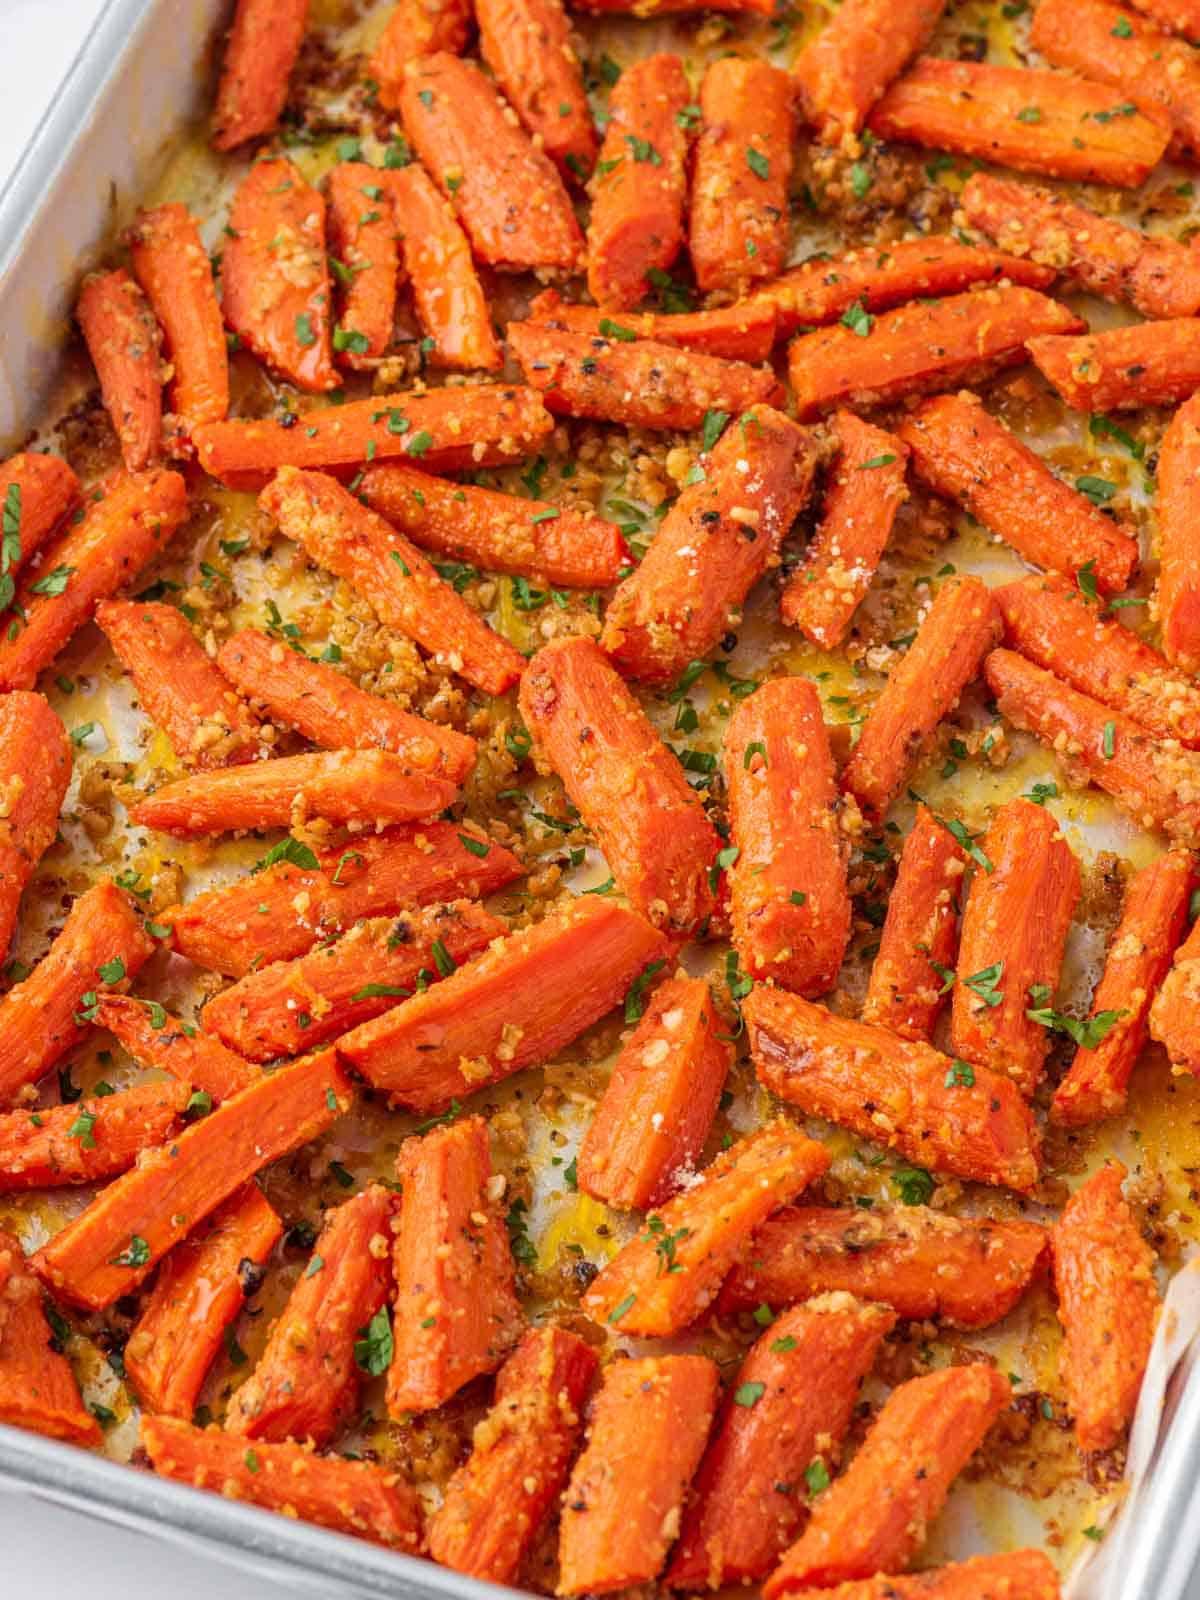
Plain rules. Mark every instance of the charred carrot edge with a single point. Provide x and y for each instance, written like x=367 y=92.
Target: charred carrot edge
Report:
x=1027 y=1574
x=37 y=1386
x=636 y=222
x=88 y=1141
x=101 y=941
x=714 y=545
x=36 y=492
x=1180 y=16
x=805 y=1373
x=507 y=193
x=649 y=1427
x=296 y=1005
x=354 y=1497
x=112 y=1247
x=456 y=1312
x=856 y=55
x=969 y=1121
x=498 y=1014
x=1173 y=1012
x=742 y=332
x=416 y=28
x=527 y=44
x=706 y=1227
x=275 y=289
x=864 y=490
x=959 y=629
x=915 y=349
x=629 y=788
x=1107 y=1303
x=1148 y=364
x=660 y=1101
x=362 y=239
x=330 y=710
x=123 y=338
x=1139 y=958
x=172 y=266
x=1177 y=599
x=259 y=56
x=494 y=1505
x=199 y=1290
x=131 y=521
x=156 y=1039
x=35 y=769
x=402 y=587
x=907 y=987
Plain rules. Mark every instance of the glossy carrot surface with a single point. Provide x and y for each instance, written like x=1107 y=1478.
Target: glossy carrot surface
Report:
x=172 y=266
x=123 y=339
x=259 y=55
x=35 y=769
x=38 y=1389
x=851 y=62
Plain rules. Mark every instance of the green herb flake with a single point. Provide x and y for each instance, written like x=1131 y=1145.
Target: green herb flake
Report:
x=373 y=1349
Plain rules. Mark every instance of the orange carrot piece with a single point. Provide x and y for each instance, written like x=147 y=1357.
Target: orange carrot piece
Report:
x=275 y=290
x=959 y=629
x=1139 y=958
x=964 y=454
x=200 y=1288
x=1016 y=1575
x=120 y=532
x=665 y=1278
x=499 y=1014
x=1177 y=599
x=114 y=1245
x=355 y=1497
x=89 y=1140
x=36 y=492
x=456 y=1312
x=660 y=8
x=648 y=1430
x=1179 y=16
x=495 y=1504
x=37 y=1386
x=791 y=1404
x=919 y=348
x=527 y=45
x=35 y=769
x=630 y=790
x=864 y=490
x=742 y=332
x=123 y=339
x=156 y=1039
x=856 y=55
x=172 y=266
x=1147 y=364
x=102 y=941
x=660 y=1101
x=1173 y=1014
x=362 y=238
x=907 y=987
x=417 y=28
x=259 y=56
x=900 y=1092
x=922 y=1263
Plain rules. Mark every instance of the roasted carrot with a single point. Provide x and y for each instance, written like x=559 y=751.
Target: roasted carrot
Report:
x=903 y=1093
x=112 y=1247
x=355 y=1497
x=527 y=44
x=416 y=28
x=660 y=1101
x=869 y=361
x=1016 y=1575
x=498 y=1014
x=861 y=48
x=403 y=588
x=907 y=986
x=362 y=240
x=330 y=710
x=101 y=942
x=1146 y=364
x=35 y=769
x=873 y=1518
x=1177 y=600
x=172 y=266
x=259 y=56
x=36 y=492
x=494 y=1505
x=507 y=192
x=1173 y=1014
x=742 y=332
x=958 y=630
x=89 y=1140
x=199 y=1290
x=37 y=1386
x=1180 y=16
x=622 y=1506
x=863 y=491
x=655 y=8
x=628 y=786
x=456 y=1313
x=157 y=1039
x=640 y=186
x=123 y=339
x=790 y=1405
x=121 y=531
x=666 y=1277
x=713 y=546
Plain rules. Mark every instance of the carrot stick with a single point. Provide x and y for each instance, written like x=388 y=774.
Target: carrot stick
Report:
x=355 y=1497
x=35 y=769
x=856 y=55
x=791 y=1403
x=959 y=629
x=499 y=532
x=1177 y=600
x=416 y=28
x=657 y=8
x=1015 y=1575
x=622 y=1506
x=120 y=532
x=870 y=361
x=156 y=1039
x=666 y=1277
x=499 y=1014
x=715 y=543
x=362 y=239
x=495 y=1504
x=742 y=332
x=200 y=1289
x=630 y=790
x=88 y=1141
x=259 y=56
x=113 y=1246
x=1147 y=364
x=656 y=1112
x=899 y=1092
x=326 y=707
x=527 y=45
x=1180 y=16
x=101 y=942
x=456 y=1313
x=1173 y=1012
x=36 y=492
x=907 y=986
x=864 y=490
x=1139 y=958
x=172 y=266
x=123 y=339
x=37 y=1386
x=640 y=186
